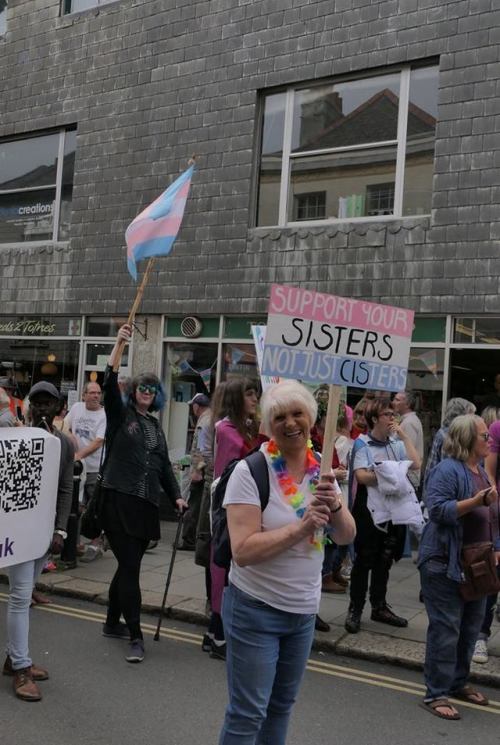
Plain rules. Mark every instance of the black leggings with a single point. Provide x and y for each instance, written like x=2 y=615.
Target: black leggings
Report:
x=124 y=590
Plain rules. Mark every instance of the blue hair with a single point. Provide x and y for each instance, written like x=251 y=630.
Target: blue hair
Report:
x=148 y=379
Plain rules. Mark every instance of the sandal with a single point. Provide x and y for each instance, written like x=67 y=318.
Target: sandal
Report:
x=469 y=694
x=440 y=703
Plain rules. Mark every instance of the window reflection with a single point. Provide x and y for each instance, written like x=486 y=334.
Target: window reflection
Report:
x=357 y=183
x=346 y=114
x=421 y=134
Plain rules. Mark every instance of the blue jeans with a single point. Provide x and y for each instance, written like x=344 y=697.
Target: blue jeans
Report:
x=451 y=634
x=22 y=578
x=267 y=651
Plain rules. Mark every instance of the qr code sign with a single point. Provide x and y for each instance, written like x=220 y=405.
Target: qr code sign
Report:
x=21 y=463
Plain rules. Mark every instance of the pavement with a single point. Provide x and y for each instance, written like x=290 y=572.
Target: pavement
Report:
x=186 y=602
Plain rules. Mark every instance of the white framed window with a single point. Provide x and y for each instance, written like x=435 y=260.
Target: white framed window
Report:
x=310 y=205
x=74 y=6
x=36 y=187
x=367 y=144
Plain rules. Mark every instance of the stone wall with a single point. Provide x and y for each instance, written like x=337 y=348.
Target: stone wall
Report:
x=149 y=82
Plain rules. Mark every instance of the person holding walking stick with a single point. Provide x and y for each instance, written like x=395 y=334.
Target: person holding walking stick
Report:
x=136 y=474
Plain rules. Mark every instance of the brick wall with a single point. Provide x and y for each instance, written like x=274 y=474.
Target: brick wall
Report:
x=149 y=82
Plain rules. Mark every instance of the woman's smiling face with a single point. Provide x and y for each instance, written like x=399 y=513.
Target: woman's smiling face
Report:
x=290 y=428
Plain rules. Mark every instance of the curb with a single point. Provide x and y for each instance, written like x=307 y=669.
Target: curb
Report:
x=376 y=647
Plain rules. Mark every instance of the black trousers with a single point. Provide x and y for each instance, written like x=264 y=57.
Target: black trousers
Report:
x=375 y=553
x=124 y=590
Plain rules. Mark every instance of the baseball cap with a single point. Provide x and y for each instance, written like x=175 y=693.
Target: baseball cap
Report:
x=200 y=399
x=44 y=387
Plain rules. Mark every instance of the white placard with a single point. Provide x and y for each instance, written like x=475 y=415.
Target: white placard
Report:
x=259 y=339
x=321 y=338
x=29 y=476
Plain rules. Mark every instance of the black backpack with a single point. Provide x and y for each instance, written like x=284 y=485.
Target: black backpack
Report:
x=256 y=462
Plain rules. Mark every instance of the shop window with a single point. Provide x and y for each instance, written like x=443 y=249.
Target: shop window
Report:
x=476 y=330
x=350 y=141
x=36 y=187
x=425 y=378
x=240 y=360
x=73 y=6
x=26 y=361
x=188 y=368
x=3 y=17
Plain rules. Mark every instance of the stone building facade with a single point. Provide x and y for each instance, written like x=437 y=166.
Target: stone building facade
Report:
x=125 y=92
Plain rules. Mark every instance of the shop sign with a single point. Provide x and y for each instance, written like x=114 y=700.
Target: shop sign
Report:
x=320 y=338
x=30 y=327
x=50 y=326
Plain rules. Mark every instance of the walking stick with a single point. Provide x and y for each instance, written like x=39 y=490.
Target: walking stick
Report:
x=169 y=576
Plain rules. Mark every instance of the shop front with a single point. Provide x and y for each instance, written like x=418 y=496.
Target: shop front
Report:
x=65 y=350
x=448 y=357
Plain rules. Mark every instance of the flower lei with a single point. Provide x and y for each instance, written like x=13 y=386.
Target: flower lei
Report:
x=290 y=490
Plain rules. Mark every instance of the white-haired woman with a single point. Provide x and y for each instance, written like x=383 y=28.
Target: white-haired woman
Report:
x=274 y=587
x=459 y=496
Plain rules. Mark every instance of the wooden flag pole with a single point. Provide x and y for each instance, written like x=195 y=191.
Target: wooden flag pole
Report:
x=332 y=415
x=137 y=302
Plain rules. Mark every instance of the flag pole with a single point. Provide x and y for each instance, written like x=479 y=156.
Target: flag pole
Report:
x=145 y=280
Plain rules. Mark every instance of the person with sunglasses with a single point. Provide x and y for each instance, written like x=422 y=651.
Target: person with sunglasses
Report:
x=136 y=476
x=376 y=548
x=463 y=511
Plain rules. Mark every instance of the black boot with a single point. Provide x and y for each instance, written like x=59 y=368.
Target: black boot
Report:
x=353 y=620
x=383 y=614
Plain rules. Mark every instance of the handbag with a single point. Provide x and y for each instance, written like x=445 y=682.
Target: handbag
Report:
x=480 y=571
x=91 y=523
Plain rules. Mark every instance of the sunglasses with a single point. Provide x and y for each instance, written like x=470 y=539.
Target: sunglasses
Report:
x=145 y=388
x=485 y=436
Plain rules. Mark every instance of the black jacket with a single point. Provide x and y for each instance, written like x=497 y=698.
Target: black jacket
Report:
x=128 y=463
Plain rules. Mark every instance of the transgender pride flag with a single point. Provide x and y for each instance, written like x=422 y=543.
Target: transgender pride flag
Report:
x=154 y=231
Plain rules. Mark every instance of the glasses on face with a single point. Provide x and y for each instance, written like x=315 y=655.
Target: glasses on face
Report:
x=389 y=414
x=485 y=436
x=152 y=390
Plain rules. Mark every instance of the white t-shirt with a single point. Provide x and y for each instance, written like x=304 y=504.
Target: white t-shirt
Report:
x=291 y=581
x=87 y=426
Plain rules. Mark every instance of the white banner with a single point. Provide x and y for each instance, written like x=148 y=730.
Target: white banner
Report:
x=259 y=339
x=29 y=477
x=319 y=338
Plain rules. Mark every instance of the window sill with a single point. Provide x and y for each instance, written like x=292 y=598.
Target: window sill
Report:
x=345 y=225
x=58 y=245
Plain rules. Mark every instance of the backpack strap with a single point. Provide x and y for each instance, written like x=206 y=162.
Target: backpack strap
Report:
x=257 y=465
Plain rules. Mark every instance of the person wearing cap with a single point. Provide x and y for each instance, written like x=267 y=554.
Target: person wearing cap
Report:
x=44 y=404
x=201 y=470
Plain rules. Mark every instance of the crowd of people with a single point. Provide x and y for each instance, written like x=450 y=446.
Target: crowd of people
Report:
x=339 y=531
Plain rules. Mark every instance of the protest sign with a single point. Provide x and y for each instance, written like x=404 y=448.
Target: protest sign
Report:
x=320 y=338
x=259 y=338
x=29 y=476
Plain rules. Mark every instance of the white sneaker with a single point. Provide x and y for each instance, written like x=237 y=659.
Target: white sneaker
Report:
x=480 y=652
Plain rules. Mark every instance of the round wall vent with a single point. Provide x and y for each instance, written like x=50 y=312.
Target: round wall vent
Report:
x=191 y=327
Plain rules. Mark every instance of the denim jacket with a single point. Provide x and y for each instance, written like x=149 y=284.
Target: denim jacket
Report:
x=449 y=482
